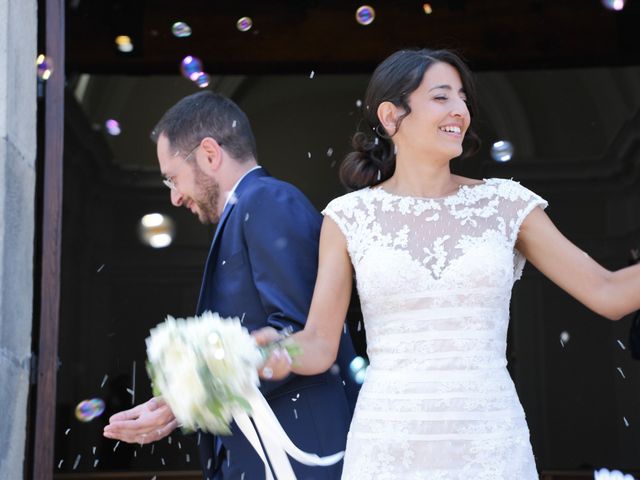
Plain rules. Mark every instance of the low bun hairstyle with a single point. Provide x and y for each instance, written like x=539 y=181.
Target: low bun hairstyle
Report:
x=373 y=159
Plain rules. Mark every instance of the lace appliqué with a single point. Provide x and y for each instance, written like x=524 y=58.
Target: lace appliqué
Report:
x=438 y=254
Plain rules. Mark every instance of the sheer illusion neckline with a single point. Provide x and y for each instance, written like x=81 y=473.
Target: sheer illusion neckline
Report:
x=461 y=188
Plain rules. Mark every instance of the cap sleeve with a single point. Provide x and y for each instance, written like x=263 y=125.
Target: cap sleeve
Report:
x=346 y=211
x=335 y=211
x=520 y=202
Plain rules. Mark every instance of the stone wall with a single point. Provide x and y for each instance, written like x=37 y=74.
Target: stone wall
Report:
x=18 y=44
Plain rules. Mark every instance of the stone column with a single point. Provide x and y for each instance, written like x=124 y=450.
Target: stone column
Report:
x=18 y=44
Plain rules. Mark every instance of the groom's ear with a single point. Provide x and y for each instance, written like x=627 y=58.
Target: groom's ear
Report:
x=212 y=158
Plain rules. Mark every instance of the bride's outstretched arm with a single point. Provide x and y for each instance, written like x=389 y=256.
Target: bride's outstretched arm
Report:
x=320 y=338
x=610 y=294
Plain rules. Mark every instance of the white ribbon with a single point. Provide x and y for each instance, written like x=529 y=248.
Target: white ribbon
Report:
x=275 y=440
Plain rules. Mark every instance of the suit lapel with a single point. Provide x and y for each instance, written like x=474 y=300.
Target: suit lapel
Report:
x=244 y=183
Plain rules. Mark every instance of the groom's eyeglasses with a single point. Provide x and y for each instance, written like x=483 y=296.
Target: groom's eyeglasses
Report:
x=169 y=181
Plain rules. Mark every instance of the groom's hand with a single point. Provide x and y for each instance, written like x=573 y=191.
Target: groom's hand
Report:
x=278 y=365
x=142 y=424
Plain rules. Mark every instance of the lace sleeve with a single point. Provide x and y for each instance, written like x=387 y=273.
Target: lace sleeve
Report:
x=334 y=210
x=521 y=202
x=345 y=212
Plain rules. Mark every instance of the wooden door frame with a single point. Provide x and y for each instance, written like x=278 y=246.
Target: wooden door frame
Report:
x=46 y=331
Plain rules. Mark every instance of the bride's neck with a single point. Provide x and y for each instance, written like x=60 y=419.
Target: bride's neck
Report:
x=422 y=179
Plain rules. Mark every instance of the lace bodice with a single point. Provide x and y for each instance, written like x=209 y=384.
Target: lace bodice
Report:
x=433 y=236
x=434 y=276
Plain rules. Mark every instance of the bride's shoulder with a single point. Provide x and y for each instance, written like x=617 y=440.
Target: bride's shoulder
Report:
x=510 y=189
x=488 y=187
x=504 y=183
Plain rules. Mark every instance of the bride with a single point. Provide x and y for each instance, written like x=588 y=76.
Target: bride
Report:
x=435 y=256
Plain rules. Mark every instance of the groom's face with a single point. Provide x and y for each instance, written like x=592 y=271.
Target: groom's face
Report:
x=191 y=187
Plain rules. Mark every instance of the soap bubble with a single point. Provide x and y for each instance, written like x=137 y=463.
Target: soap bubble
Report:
x=502 y=151
x=156 y=230
x=202 y=80
x=358 y=369
x=181 y=30
x=616 y=5
x=44 y=67
x=191 y=67
x=87 y=410
x=124 y=43
x=244 y=24
x=365 y=15
x=113 y=127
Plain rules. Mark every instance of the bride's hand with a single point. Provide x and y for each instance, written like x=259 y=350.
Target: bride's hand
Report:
x=278 y=365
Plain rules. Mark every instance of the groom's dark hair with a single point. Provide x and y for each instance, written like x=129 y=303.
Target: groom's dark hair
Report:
x=207 y=114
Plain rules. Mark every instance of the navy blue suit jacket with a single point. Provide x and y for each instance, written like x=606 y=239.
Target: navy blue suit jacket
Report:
x=262 y=268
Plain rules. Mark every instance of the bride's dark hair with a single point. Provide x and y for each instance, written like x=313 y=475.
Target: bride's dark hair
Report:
x=373 y=159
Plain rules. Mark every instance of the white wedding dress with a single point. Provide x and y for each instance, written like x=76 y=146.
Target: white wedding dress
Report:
x=434 y=277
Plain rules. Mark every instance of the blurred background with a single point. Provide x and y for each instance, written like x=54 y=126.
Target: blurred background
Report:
x=559 y=96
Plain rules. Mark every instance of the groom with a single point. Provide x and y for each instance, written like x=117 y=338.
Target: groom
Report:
x=261 y=267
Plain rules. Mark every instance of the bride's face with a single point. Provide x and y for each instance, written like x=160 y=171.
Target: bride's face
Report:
x=439 y=115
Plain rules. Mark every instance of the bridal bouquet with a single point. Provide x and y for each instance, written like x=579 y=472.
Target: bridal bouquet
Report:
x=206 y=369
x=203 y=367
